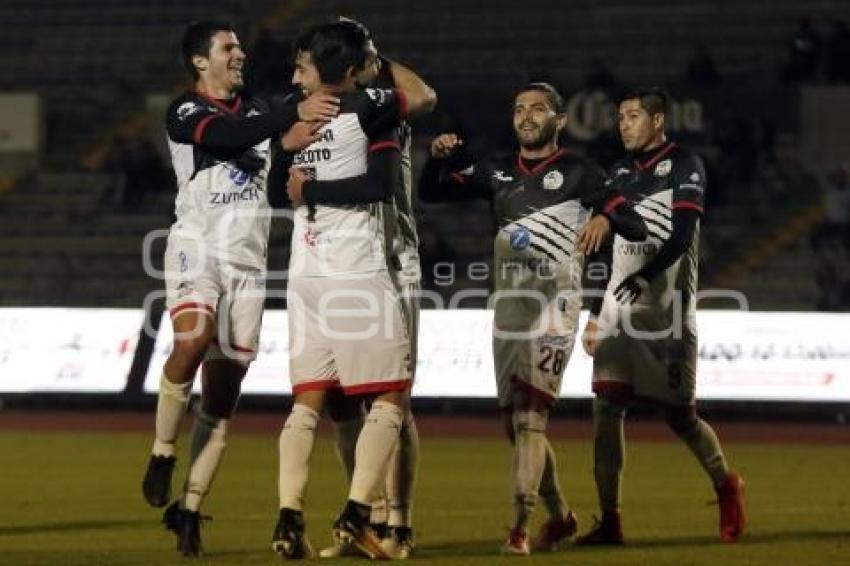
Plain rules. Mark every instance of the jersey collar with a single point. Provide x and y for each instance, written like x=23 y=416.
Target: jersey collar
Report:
x=540 y=166
x=231 y=108
x=655 y=158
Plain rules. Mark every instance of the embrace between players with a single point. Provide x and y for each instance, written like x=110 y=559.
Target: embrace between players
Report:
x=339 y=148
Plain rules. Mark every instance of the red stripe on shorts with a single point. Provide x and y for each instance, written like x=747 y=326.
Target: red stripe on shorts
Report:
x=378 y=387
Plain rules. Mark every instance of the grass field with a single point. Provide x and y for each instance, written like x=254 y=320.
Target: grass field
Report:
x=73 y=499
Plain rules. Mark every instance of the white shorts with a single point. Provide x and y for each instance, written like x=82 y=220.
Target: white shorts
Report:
x=534 y=356
x=347 y=333
x=234 y=296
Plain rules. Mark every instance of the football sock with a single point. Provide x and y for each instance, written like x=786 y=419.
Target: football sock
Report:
x=207 y=447
x=401 y=479
x=703 y=442
x=375 y=445
x=171 y=403
x=529 y=463
x=347 y=432
x=608 y=450
x=550 y=488
x=294 y=449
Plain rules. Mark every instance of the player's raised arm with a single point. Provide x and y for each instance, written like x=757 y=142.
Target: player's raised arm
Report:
x=420 y=97
x=452 y=174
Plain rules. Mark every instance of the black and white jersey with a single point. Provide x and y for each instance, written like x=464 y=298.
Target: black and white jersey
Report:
x=667 y=179
x=351 y=239
x=221 y=199
x=539 y=212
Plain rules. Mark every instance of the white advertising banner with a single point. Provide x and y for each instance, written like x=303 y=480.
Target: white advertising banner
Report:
x=67 y=350
x=743 y=356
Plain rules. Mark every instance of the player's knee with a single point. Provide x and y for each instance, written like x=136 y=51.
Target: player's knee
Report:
x=529 y=422
x=189 y=350
x=681 y=420
x=608 y=407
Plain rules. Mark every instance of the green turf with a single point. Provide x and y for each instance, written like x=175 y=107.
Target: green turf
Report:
x=74 y=500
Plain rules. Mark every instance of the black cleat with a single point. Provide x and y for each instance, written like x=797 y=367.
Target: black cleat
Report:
x=156 y=486
x=352 y=527
x=186 y=525
x=289 y=539
x=382 y=530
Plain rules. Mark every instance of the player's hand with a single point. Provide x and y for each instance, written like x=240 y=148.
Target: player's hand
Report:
x=593 y=233
x=589 y=338
x=300 y=135
x=630 y=289
x=295 y=185
x=318 y=107
x=444 y=145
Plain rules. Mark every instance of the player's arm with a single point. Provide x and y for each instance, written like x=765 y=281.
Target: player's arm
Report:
x=611 y=210
x=420 y=97
x=688 y=202
x=597 y=270
x=383 y=167
x=227 y=136
x=451 y=174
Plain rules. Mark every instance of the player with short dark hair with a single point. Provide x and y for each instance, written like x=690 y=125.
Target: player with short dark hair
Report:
x=215 y=259
x=644 y=341
x=338 y=185
x=551 y=207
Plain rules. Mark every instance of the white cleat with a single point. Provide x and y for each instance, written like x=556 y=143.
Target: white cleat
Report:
x=399 y=543
x=516 y=545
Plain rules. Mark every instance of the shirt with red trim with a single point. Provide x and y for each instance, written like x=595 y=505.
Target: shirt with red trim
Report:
x=221 y=197
x=658 y=183
x=331 y=240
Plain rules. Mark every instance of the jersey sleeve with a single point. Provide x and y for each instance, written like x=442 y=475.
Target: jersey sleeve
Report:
x=688 y=184
x=187 y=119
x=596 y=189
x=448 y=180
x=380 y=109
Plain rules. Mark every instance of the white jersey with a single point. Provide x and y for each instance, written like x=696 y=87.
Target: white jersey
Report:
x=330 y=241
x=221 y=200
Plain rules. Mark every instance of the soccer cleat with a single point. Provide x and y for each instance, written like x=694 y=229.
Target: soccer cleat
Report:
x=607 y=531
x=352 y=527
x=156 y=486
x=339 y=549
x=554 y=531
x=730 y=497
x=517 y=544
x=289 y=539
x=398 y=544
x=186 y=525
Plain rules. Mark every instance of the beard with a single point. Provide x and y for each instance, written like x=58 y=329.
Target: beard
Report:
x=546 y=134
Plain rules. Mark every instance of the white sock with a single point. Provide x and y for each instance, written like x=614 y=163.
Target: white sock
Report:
x=207 y=448
x=529 y=462
x=171 y=403
x=347 y=432
x=375 y=445
x=294 y=449
x=401 y=478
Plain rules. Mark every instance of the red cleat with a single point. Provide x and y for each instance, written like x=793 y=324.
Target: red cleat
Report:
x=730 y=497
x=554 y=531
x=607 y=531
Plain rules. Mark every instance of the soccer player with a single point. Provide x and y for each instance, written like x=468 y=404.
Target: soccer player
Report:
x=215 y=256
x=392 y=512
x=543 y=198
x=340 y=287
x=644 y=341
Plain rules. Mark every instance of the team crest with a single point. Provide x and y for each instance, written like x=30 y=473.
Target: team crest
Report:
x=553 y=180
x=694 y=177
x=663 y=169
x=187 y=109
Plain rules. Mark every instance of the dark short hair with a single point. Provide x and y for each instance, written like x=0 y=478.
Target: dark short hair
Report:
x=553 y=97
x=335 y=47
x=654 y=100
x=197 y=40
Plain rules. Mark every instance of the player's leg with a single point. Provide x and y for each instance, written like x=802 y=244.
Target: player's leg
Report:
x=193 y=331
x=703 y=442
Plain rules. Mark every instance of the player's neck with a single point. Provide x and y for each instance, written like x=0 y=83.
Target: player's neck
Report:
x=653 y=145
x=214 y=90
x=539 y=153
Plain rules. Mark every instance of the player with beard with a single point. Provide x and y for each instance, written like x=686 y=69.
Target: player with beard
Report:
x=644 y=341
x=551 y=208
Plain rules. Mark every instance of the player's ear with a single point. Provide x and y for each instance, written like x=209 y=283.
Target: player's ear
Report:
x=200 y=62
x=561 y=121
x=658 y=121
